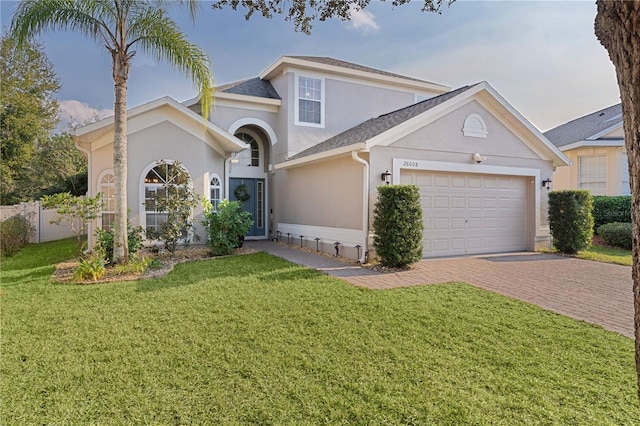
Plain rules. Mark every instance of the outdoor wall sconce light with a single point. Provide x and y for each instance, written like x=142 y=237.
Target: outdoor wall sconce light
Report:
x=547 y=183
x=477 y=158
x=385 y=177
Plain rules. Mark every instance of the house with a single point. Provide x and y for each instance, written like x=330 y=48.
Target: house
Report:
x=311 y=138
x=595 y=145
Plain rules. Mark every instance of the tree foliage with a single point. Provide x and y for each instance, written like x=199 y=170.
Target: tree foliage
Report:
x=28 y=112
x=302 y=13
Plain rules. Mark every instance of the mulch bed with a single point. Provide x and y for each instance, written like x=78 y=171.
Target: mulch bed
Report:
x=64 y=270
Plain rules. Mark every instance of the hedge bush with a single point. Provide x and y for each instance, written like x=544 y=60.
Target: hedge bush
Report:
x=617 y=234
x=398 y=226
x=571 y=220
x=607 y=209
x=15 y=233
x=226 y=226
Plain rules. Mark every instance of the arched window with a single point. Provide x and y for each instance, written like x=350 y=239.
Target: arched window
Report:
x=108 y=190
x=249 y=157
x=215 y=191
x=156 y=182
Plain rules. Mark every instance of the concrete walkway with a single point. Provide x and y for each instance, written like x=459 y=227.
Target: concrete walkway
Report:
x=598 y=293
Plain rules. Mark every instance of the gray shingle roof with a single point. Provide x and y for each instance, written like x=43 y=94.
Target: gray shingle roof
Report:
x=250 y=87
x=350 y=65
x=585 y=127
x=375 y=126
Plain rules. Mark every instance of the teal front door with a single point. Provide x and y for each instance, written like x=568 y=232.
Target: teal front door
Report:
x=252 y=196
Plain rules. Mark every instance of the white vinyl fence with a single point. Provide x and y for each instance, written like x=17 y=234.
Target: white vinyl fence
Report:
x=40 y=218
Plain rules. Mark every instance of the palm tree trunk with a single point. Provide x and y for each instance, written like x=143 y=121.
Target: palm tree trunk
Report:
x=617 y=27
x=120 y=75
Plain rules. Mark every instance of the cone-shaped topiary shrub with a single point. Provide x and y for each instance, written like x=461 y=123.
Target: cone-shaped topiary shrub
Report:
x=570 y=220
x=398 y=226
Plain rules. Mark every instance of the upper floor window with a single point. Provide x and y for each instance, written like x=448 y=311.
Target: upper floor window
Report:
x=592 y=174
x=310 y=108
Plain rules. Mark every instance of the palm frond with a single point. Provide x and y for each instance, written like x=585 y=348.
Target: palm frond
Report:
x=159 y=36
x=33 y=17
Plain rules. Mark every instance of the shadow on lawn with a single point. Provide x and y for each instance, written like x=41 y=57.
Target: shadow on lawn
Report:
x=29 y=275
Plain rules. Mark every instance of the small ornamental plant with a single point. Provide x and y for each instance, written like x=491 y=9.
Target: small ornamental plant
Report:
x=570 y=220
x=398 y=225
x=226 y=226
x=75 y=211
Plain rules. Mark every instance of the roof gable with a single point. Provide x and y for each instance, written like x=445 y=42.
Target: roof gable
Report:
x=85 y=136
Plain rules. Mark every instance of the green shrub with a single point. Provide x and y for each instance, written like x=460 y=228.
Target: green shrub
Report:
x=617 y=234
x=104 y=243
x=15 y=233
x=226 y=227
x=608 y=209
x=570 y=220
x=90 y=269
x=398 y=226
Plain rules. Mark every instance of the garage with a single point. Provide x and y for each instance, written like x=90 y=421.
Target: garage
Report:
x=469 y=213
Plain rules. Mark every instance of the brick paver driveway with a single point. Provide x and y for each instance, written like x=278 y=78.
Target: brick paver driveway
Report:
x=594 y=292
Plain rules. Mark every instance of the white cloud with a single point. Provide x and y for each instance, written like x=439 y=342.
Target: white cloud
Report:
x=73 y=113
x=362 y=20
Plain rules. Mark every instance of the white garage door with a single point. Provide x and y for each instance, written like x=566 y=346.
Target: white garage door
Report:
x=471 y=213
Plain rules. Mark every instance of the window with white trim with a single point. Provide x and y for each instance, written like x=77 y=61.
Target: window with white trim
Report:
x=250 y=157
x=592 y=174
x=310 y=99
x=215 y=191
x=624 y=170
x=108 y=191
x=157 y=179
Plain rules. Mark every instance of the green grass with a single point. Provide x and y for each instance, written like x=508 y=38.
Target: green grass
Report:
x=607 y=255
x=254 y=339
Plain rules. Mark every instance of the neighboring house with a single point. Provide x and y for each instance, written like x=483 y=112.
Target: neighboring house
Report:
x=321 y=135
x=595 y=145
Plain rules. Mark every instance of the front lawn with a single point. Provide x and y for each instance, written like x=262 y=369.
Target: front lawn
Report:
x=607 y=254
x=253 y=339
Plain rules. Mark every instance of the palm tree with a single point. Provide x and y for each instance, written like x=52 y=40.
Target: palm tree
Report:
x=121 y=26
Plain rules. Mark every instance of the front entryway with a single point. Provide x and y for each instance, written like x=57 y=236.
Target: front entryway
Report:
x=251 y=193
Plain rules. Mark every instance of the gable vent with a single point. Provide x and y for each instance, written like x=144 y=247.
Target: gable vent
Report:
x=474 y=126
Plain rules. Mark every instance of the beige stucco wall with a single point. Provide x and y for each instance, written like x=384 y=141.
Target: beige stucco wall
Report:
x=327 y=194
x=566 y=177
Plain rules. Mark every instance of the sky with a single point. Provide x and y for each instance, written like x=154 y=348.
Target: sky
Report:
x=541 y=56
